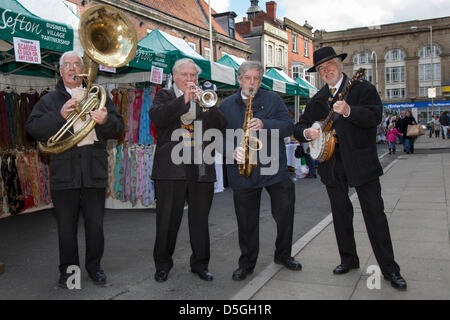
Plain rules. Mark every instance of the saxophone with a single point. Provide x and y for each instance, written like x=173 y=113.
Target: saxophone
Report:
x=249 y=142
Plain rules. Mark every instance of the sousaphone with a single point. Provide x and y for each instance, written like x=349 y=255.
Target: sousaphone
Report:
x=108 y=38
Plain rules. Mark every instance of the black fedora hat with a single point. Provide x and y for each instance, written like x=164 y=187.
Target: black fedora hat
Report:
x=324 y=54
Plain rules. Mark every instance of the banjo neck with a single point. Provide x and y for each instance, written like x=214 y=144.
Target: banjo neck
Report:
x=328 y=122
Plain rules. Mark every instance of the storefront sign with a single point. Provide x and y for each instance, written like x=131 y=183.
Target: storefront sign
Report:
x=28 y=51
x=156 y=75
x=423 y=104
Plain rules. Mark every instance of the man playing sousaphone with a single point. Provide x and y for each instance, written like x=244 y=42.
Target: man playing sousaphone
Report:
x=78 y=176
x=354 y=162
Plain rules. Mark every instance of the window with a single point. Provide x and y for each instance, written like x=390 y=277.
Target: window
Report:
x=298 y=71
x=362 y=58
x=425 y=52
x=395 y=74
x=306 y=50
x=423 y=91
x=425 y=72
x=270 y=54
x=279 y=57
x=310 y=77
x=429 y=70
x=231 y=27
x=192 y=45
x=395 y=93
x=395 y=55
x=294 y=43
x=369 y=75
x=207 y=54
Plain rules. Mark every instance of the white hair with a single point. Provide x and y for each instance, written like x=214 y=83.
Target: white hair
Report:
x=183 y=61
x=247 y=65
x=70 y=54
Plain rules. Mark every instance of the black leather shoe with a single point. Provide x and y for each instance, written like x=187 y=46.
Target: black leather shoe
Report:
x=311 y=176
x=204 y=274
x=62 y=282
x=344 y=268
x=241 y=273
x=98 y=277
x=161 y=275
x=396 y=280
x=290 y=263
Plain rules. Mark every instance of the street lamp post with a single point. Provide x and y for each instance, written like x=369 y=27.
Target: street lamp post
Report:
x=211 y=52
x=432 y=69
x=376 y=68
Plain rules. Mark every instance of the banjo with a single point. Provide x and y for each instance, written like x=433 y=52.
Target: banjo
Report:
x=322 y=148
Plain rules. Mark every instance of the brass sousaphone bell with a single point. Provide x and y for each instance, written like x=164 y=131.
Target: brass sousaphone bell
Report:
x=108 y=38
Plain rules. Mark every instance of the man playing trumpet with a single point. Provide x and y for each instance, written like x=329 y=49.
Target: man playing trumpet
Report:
x=175 y=183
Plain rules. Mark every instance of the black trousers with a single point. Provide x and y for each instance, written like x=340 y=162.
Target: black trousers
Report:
x=372 y=207
x=67 y=206
x=170 y=199
x=247 y=204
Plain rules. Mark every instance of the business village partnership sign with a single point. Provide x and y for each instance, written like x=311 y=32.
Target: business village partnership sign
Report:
x=51 y=36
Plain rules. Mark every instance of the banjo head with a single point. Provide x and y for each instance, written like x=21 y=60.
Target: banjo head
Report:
x=316 y=146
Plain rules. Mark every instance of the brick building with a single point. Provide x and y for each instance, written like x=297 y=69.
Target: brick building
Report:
x=399 y=60
x=266 y=36
x=281 y=44
x=185 y=19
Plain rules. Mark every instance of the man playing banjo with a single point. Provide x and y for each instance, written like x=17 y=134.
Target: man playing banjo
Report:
x=354 y=161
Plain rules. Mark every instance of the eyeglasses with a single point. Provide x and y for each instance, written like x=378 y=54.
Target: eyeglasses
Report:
x=75 y=65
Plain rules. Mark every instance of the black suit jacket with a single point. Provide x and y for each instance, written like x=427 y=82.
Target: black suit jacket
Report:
x=85 y=166
x=165 y=114
x=356 y=134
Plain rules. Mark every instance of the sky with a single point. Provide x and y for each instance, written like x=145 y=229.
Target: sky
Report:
x=334 y=15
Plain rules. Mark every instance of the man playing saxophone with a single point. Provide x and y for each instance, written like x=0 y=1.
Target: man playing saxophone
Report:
x=268 y=113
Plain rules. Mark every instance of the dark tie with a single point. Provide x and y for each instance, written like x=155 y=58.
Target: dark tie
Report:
x=332 y=91
x=331 y=96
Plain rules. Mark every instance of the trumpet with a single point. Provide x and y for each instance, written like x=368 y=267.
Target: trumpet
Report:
x=206 y=98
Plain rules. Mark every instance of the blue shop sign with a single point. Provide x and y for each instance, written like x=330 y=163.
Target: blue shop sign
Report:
x=423 y=104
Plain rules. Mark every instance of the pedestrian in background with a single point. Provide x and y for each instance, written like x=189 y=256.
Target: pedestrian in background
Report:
x=408 y=141
x=391 y=137
x=444 y=121
x=435 y=126
x=399 y=126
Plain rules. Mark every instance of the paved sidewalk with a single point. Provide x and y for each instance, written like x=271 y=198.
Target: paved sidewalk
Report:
x=416 y=192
